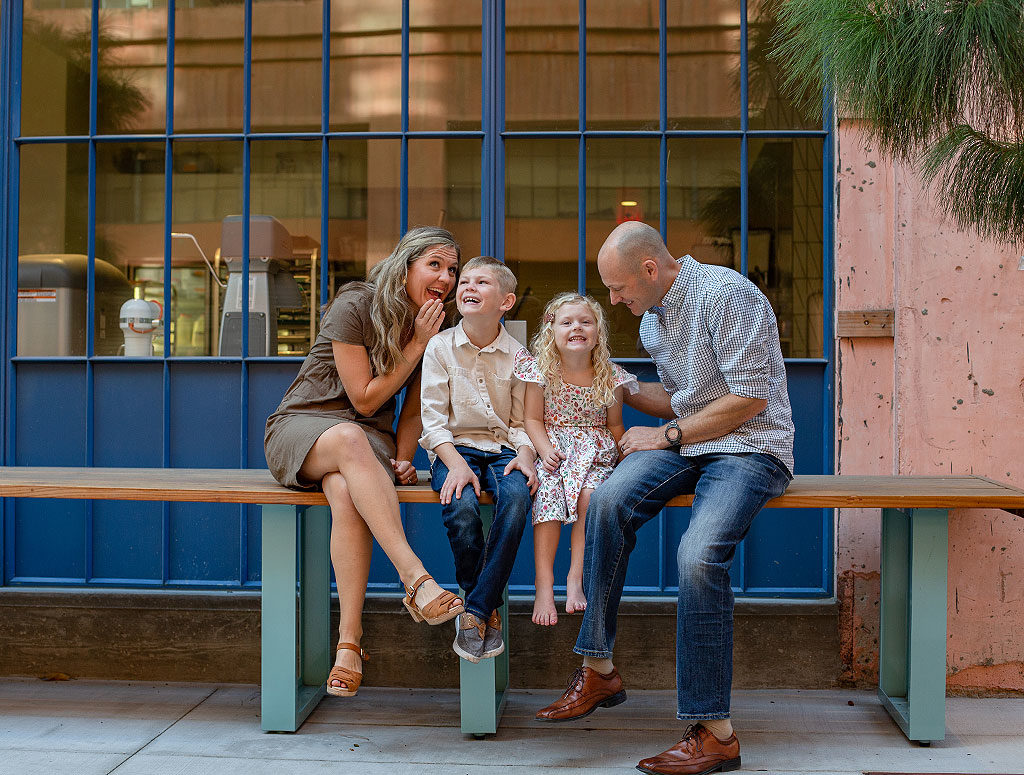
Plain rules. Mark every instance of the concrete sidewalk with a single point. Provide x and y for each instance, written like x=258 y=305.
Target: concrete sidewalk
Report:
x=97 y=727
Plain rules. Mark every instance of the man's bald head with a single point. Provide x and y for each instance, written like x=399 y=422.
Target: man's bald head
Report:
x=633 y=242
x=635 y=266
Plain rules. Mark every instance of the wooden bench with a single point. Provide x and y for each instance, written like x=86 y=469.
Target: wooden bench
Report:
x=296 y=528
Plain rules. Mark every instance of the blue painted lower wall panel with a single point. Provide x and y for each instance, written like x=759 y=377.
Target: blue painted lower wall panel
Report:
x=788 y=553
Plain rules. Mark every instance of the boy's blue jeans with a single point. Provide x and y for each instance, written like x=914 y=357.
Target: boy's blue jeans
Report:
x=729 y=490
x=482 y=567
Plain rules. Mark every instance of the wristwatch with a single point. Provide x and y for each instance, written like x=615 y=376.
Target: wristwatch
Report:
x=672 y=433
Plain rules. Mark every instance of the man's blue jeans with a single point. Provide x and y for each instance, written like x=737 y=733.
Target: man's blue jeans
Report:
x=729 y=490
x=482 y=568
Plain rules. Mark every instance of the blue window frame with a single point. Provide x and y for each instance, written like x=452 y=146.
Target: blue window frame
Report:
x=94 y=408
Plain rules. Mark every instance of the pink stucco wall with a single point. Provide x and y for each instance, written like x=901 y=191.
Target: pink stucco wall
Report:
x=946 y=395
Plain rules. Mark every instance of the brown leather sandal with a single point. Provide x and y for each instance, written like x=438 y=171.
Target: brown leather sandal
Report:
x=350 y=678
x=441 y=609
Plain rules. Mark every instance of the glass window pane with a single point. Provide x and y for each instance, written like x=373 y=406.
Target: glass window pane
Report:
x=366 y=66
x=208 y=76
x=703 y=200
x=132 y=79
x=444 y=65
x=540 y=236
x=622 y=185
x=769 y=108
x=55 y=69
x=130 y=224
x=622 y=64
x=365 y=207
x=287 y=56
x=207 y=188
x=442 y=188
x=284 y=250
x=784 y=252
x=703 y=64
x=52 y=263
x=542 y=65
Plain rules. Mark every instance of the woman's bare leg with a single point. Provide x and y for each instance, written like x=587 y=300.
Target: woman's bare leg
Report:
x=345 y=449
x=351 y=550
x=545 y=545
x=575 y=601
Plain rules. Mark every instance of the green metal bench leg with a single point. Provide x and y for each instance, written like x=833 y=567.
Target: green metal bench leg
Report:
x=295 y=629
x=912 y=637
x=482 y=685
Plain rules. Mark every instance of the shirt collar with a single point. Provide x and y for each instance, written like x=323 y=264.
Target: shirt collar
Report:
x=503 y=341
x=677 y=293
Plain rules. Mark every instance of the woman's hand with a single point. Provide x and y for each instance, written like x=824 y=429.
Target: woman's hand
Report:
x=405 y=473
x=428 y=321
x=552 y=460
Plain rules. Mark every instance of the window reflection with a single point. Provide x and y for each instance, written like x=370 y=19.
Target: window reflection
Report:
x=287 y=51
x=366 y=65
x=444 y=65
x=209 y=78
x=55 y=60
x=444 y=184
x=703 y=67
x=784 y=253
x=540 y=222
x=542 y=65
x=207 y=189
x=132 y=74
x=622 y=64
x=622 y=185
x=52 y=264
x=769 y=107
x=284 y=252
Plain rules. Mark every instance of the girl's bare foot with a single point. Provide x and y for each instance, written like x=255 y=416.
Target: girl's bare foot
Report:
x=544 y=611
x=575 y=601
x=348 y=659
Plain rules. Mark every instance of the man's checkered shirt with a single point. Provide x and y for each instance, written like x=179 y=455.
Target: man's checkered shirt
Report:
x=715 y=333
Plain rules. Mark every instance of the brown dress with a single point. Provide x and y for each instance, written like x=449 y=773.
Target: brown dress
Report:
x=316 y=400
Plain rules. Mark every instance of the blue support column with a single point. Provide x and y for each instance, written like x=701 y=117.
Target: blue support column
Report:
x=912 y=643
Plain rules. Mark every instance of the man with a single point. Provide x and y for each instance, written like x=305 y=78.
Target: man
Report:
x=714 y=339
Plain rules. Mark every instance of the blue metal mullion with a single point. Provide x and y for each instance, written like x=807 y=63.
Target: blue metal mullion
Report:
x=325 y=160
x=165 y=446
x=744 y=151
x=90 y=282
x=497 y=183
x=403 y=179
x=663 y=118
x=581 y=160
x=489 y=95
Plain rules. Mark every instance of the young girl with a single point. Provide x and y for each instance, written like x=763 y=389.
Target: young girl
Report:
x=573 y=413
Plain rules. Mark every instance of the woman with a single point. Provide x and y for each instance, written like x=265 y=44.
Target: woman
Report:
x=333 y=428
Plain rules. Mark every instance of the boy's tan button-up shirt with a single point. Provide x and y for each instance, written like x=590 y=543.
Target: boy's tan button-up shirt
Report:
x=468 y=394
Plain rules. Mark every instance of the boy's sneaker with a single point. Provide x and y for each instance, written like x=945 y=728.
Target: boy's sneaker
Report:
x=494 y=644
x=469 y=637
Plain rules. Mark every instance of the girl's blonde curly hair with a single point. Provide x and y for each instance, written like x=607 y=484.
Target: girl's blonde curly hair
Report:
x=549 y=361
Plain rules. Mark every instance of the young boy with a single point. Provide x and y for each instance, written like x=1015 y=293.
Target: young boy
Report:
x=472 y=410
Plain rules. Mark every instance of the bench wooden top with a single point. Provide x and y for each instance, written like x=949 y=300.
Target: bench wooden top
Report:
x=254 y=485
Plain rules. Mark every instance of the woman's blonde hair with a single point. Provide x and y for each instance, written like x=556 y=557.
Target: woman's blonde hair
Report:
x=391 y=311
x=549 y=361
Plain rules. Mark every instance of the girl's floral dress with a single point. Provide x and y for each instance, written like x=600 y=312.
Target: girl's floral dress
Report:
x=577 y=428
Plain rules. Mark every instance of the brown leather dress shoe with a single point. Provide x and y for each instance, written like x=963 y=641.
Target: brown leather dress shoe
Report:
x=588 y=690
x=698 y=753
